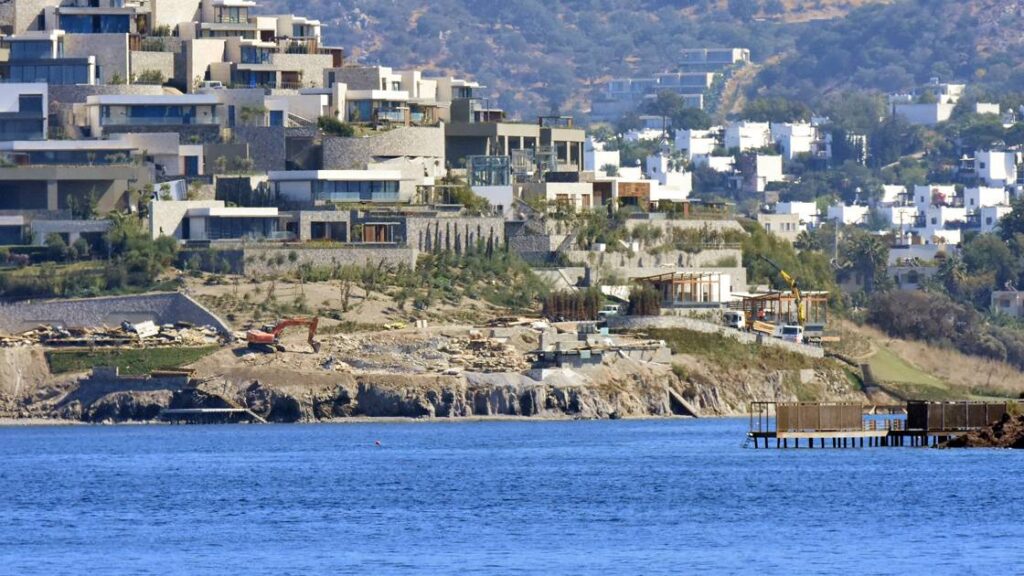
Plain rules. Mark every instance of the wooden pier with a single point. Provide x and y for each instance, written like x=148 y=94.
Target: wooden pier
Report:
x=851 y=425
x=210 y=416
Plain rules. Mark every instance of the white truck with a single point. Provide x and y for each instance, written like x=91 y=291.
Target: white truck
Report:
x=735 y=319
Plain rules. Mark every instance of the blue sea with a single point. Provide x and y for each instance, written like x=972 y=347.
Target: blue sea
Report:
x=613 y=497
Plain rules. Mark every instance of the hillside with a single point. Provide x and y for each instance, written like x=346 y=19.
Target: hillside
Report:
x=896 y=46
x=539 y=56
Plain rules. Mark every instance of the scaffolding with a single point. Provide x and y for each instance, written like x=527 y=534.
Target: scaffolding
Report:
x=780 y=307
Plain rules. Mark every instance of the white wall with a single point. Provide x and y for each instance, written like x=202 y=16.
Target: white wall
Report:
x=975 y=198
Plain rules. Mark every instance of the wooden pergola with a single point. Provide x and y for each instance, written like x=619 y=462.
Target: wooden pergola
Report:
x=780 y=307
x=683 y=288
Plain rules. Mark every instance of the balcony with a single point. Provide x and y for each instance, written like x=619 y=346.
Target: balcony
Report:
x=162 y=121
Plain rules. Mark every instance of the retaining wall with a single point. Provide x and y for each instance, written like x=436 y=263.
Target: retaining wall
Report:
x=679 y=322
x=94 y=312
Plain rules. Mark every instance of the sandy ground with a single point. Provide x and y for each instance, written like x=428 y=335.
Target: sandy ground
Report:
x=238 y=300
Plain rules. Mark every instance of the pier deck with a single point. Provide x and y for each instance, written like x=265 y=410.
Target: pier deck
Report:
x=851 y=425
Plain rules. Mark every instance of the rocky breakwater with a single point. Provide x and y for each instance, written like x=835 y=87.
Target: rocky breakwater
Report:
x=1008 y=432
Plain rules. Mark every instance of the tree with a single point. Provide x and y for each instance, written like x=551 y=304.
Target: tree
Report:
x=333 y=127
x=56 y=248
x=867 y=253
x=776 y=110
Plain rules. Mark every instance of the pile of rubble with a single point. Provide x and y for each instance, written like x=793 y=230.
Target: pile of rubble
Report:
x=142 y=335
x=480 y=354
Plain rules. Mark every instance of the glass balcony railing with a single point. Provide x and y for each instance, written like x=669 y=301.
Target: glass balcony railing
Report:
x=161 y=121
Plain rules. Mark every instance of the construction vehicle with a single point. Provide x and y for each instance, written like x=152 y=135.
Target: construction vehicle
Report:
x=269 y=339
x=801 y=314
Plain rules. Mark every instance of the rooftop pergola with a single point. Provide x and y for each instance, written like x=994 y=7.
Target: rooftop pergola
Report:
x=683 y=288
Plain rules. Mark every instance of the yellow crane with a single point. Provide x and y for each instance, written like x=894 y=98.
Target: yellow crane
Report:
x=794 y=289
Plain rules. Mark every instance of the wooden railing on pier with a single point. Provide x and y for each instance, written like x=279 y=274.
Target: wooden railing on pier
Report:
x=847 y=424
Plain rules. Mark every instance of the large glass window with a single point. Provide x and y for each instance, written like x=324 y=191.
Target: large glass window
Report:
x=96 y=23
x=358 y=191
x=55 y=73
x=231 y=15
x=254 y=55
x=31 y=50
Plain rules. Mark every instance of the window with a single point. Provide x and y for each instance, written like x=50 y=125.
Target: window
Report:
x=31 y=50
x=30 y=103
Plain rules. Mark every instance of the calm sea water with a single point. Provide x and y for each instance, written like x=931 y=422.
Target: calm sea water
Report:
x=653 y=497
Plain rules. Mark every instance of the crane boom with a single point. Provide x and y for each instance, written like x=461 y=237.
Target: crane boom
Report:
x=794 y=289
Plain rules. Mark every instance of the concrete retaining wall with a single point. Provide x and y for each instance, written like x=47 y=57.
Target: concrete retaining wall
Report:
x=94 y=312
x=678 y=322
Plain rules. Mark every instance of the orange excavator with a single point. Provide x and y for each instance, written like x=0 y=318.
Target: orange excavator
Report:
x=269 y=339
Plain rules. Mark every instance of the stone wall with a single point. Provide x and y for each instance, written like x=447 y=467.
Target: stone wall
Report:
x=424 y=232
x=680 y=322
x=355 y=153
x=714 y=225
x=77 y=94
x=110 y=50
x=95 y=312
x=162 y=62
x=259 y=261
x=266 y=145
x=704 y=258
x=310 y=65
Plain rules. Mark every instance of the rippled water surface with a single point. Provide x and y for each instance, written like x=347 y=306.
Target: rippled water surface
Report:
x=651 y=497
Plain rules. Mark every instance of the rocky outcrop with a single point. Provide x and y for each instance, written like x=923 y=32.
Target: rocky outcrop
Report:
x=1007 y=433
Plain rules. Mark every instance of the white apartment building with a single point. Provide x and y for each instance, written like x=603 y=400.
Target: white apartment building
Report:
x=989 y=217
x=933 y=194
x=745 y=136
x=697 y=142
x=847 y=215
x=902 y=218
x=996 y=168
x=595 y=157
x=794 y=139
x=808 y=211
x=892 y=194
x=767 y=169
x=984 y=197
x=674 y=183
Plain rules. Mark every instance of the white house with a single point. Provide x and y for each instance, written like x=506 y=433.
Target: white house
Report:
x=987 y=108
x=643 y=134
x=892 y=194
x=794 y=139
x=984 y=197
x=808 y=211
x=848 y=215
x=996 y=168
x=696 y=142
x=722 y=164
x=767 y=169
x=595 y=157
x=933 y=194
x=901 y=217
x=675 y=181
x=744 y=136
x=924 y=114
x=989 y=217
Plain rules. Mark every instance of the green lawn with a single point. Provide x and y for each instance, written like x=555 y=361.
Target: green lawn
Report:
x=129 y=361
x=912 y=383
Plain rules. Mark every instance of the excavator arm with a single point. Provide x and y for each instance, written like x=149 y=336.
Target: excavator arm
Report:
x=273 y=338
